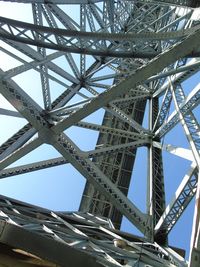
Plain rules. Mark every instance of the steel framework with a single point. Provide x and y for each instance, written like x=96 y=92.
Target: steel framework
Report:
x=135 y=60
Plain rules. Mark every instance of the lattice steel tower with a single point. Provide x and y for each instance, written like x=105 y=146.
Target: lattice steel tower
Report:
x=128 y=71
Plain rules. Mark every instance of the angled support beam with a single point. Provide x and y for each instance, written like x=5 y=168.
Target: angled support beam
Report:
x=16 y=141
x=83 y=39
x=153 y=67
x=23 y=103
x=178 y=204
x=20 y=152
x=117 y=148
x=194 y=259
x=34 y=55
x=120 y=114
x=59 y=161
x=32 y=167
x=90 y=171
x=189 y=123
x=163 y=112
x=52 y=23
x=37 y=17
x=192 y=66
x=31 y=65
x=191 y=101
x=11 y=113
x=184 y=3
x=108 y=130
x=187 y=3
x=178 y=151
x=179 y=77
x=32 y=112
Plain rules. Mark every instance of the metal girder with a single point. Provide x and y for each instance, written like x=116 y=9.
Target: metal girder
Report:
x=189 y=123
x=31 y=111
x=116 y=166
x=111 y=24
x=66 y=20
x=178 y=78
x=190 y=67
x=179 y=203
x=31 y=53
x=156 y=191
x=37 y=18
x=195 y=237
x=31 y=65
x=154 y=66
x=20 y=152
x=23 y=103
x=109 y=130
x=41 y=36
x=120 y=114
x=116 y=148
x=185 y=3
x=32 y=167
x=11 y=113
x=163 y=112
x=191 y=101
x=188 y=3
x=90 y=171
x=51 y=163
x=52 y=23
x=16 y=141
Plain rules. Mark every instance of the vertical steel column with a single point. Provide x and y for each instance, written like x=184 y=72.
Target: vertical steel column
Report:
x=158 y=191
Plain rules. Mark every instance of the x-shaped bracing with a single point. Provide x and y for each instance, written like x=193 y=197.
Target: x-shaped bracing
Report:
x=53 y=134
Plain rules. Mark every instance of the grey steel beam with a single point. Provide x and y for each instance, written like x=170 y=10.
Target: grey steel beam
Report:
x=32 y=167
x=80 y=37
x=191 y=101
x=164 y=110
x=188 y=67
x=20 y=152
x=116 y=166
x=189 y=123
x=176 y=79
x=31 y=111
x=52 y=23
x=187 y=3
x=195 y=237
x=31 y=65
x=4 y=173
x=90 y=171
x=31 y=53
x=65 y=19
x=184 y=194
x=120 y=114
x=23 y=103
x=16 y=141
x=11 y=113
x=154 y=66
x=116 y=148
x=109 y=130
x=38 y=20
x=156 y=195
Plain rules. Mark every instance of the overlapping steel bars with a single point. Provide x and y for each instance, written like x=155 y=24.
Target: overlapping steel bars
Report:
x=105 y=32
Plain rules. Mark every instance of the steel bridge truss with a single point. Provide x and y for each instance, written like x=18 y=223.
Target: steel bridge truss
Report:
x=131 y=59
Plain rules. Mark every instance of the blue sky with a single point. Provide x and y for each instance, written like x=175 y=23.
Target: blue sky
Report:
x=60 y=188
